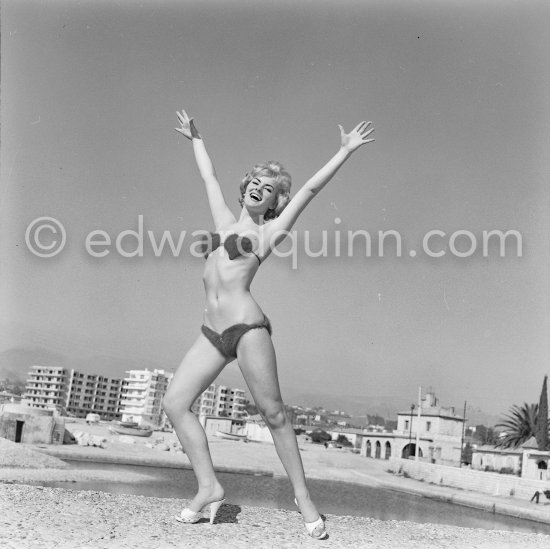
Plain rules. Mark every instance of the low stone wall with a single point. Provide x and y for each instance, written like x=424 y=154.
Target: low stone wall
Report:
x=494 y=484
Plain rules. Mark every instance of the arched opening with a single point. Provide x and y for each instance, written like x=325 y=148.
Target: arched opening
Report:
x=378 y=450
x=387 y=453
x=369 y=449
x=410 y=450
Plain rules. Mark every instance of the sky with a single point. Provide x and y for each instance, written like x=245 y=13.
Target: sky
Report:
x=457 y=92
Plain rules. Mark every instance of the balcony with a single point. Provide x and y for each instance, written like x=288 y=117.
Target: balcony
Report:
x=131 y=402
x=43 y=383
x=136 y=387
x=55 y=380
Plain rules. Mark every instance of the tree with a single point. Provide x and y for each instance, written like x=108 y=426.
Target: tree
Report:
x=467 y=453
x=343 y=440
x=320 y=436
x=491 y=437
x=542 y=423
x=376 y=420
x=485 y=435
x=519 y=425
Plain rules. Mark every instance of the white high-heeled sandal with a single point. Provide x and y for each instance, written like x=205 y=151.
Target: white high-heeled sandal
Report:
x=214 y=508
x=315 y=529
x=188 y=516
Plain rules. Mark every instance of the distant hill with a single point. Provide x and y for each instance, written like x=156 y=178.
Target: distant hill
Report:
x=15 y=363
x=386 y=406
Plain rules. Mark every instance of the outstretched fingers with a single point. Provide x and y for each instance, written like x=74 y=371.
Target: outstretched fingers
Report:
x=186 y=124
x=356 y=137
x=183 y=117
x=364 y=129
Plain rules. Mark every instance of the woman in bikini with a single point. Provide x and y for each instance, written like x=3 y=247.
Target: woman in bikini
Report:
x=234 y=325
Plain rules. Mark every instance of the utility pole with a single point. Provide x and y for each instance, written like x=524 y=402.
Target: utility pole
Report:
x=410 y=431
x=462 y=439
x=417 y=449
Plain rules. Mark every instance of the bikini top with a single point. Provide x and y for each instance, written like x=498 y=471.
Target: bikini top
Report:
x=235 y=245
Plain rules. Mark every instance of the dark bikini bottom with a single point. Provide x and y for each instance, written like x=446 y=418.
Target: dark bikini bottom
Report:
x=227 y=341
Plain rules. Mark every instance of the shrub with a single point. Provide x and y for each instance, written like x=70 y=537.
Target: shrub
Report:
x=320 y=436
x=343 y=441
x=506 y=471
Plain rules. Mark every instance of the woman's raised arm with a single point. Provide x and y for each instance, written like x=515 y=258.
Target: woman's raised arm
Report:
x=276 y=230
x=221 y=213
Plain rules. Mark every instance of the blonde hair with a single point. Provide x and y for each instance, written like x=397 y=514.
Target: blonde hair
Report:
x=282 y=179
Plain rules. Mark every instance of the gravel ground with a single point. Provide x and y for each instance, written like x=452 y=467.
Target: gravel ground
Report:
x=44 y=518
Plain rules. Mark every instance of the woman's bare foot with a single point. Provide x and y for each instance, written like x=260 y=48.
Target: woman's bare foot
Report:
x=307 y=508
x=206 y=495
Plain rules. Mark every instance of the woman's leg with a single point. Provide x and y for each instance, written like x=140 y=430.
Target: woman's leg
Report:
x=199 y=368
x=257 y=362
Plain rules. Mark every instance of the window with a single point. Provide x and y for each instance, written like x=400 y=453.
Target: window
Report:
x=428 y=425
x=406 y=424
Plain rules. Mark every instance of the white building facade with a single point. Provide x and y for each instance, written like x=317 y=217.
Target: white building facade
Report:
x=46 y=388
x=91 y=393
x=438 y=431
x=257 y=430
x=230 y=402
x=142 y=393
x=221 y=401
x=71 y=392
x=498 y=460
x=206 y=403
x=354 y=436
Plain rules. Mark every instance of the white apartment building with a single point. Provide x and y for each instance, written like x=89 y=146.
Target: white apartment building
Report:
x=142 y=393
x=219 y=400
x=93 y=393
x=205 y=405
x=46 y=388
x=72 y=392
x=230 y=402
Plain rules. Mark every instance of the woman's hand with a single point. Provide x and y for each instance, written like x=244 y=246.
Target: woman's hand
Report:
x=187 y=126
x=357 y=137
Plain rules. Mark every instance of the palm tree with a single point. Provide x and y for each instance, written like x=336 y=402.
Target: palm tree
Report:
x=519 y=425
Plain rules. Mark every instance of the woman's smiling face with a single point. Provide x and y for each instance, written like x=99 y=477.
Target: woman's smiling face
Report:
x=261 y=194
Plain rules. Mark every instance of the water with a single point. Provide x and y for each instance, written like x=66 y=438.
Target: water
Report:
x=331 y=497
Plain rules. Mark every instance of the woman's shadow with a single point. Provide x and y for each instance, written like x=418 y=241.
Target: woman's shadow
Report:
x=227 y=513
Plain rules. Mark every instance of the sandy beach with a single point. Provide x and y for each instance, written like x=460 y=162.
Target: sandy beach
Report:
x=33 y=516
